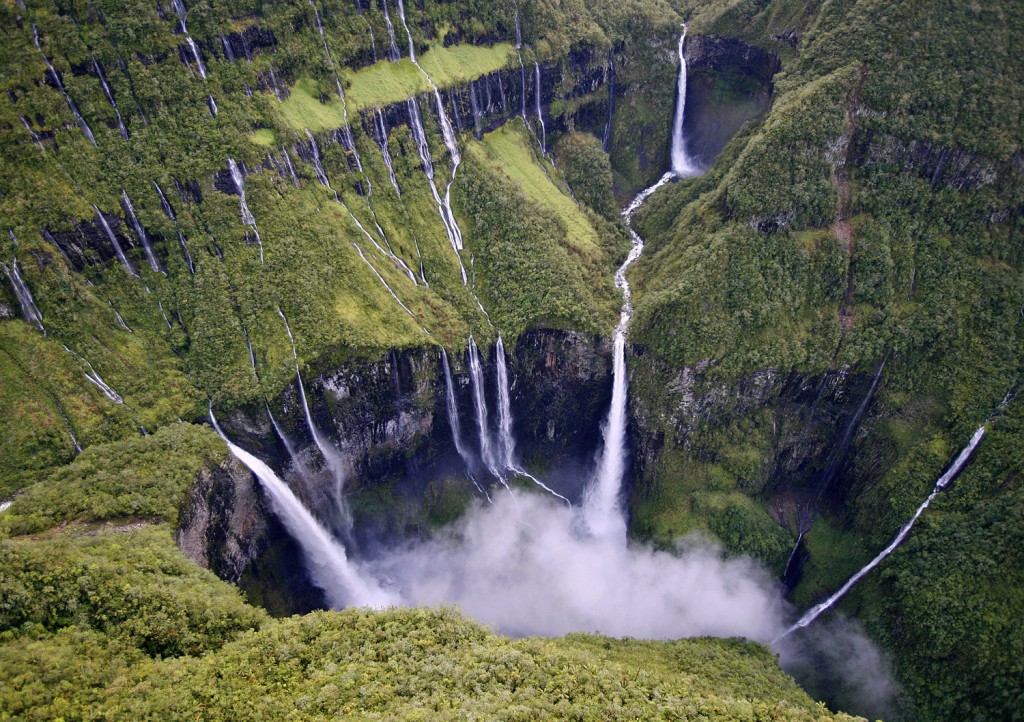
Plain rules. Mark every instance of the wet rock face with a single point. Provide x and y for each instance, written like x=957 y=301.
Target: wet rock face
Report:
x=728 y=83
x=388 y=421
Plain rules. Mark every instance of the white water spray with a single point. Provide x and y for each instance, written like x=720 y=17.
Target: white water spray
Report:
x=60 y=86
x=140 y=232
x=682 y=164
x=29 y=311
x=114 y=242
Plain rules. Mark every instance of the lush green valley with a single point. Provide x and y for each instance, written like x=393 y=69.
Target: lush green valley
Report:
x=208 y=204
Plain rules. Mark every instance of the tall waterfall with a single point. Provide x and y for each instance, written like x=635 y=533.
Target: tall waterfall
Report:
x=943 y=481
x=540 y=113
x=110 y=97
x=476 y=376
x=505 y=436
x=60 y=86
x=114 y=242
x=332 y=459
x=326 y=560
x=682 y=164
x=522 y=68
x=247 y=218
x=453 y=414
x=28 y=306
x=182 y=11
x=602 y=503
x=140 y=232
x=606 y=137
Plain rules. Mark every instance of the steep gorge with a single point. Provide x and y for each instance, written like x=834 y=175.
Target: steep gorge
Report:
x=786 y=387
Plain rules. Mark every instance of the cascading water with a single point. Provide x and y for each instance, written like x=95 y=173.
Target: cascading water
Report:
x=110 y=98
x=508 y=442
x=682 y=165
x=212 y=105
x=114 y=242
x=94 y=378
x=140 y=232
x=290 y=166
x=332 y=459
x=386 y=286
x=540 y=113
x=380 y=134
x=475 y=106
x=393 y=53
x=373 y=40
x=29 y=311
x=169 y=212
x=476 y=376
x=943 y=481
x=247 y=218
x=326 y=560
x=522 y=68
x=35 y=136
x=60 y=86
x=606 y=138
x=182 y=11
x=453 y=414
x=119 y=318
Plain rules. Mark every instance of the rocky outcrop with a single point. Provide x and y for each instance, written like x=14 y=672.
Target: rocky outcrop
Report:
x=388 y=421
x=728 y=83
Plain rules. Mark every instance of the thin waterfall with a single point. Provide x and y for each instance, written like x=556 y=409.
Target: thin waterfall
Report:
x=291 y=166
x=331 y=458
x=381 y=135
x=476 y=375
x=475 y=105
x=35 y=136
x=682 y=164
x=540 y=114
x=373 y=41
x=182 y=11
x=606 y=138
x=212 y=105
x=386 y=286
x=94 y=378
x=110 y=97
x=289 y=447
x=326 y=560
x=120 y=319
x=60 y=86
x=248 y=345
x=228 y=52
x=169 y=212
x=453 y=414
x=393 y=53
x=448 y=134
x=522 y=68
x=29 y=311
x=943 y=481
x=114 y=242
x=447 y=218
x=508 y=443
x=140 y=232
x=247 y=218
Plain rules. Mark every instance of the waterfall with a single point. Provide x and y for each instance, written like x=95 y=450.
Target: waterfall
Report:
x=606 y=139
x=453 y=414
x=110 y=97
x=291 y=166
x=119 y=318
x=228 y=52
x=35 y=136
x=602 y=505
x=448 y=134
x=247 y=218
x=393 y=53
x=248 y=345
x=182 y=11
x=169 y=212
x=60 y=86
x=380 y=133
x=332 y=459
x=447 y=217
x=389 y=289
x=140 y=232
x=289 y=447
x=540 y=114
x=373 y=41
x=682 y=165
x=29 y=311
x=212 y=105
x=94 y=378
x=508 y=442
x=476 y=375
x=114 y=242
x=522 y=68
x=475 y=105
x=943 y=481
x=163 y=313
x=326 y=560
